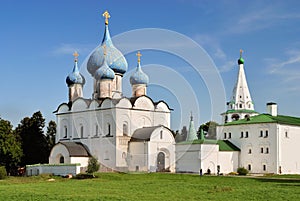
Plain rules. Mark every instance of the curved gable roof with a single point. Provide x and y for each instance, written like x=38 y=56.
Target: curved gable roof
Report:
x=76 y=149
x=143 y=134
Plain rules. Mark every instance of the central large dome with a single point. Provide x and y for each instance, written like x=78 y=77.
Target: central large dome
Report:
x=115 y=59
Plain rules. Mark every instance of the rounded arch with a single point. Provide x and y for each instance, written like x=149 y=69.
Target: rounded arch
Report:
x=124 y=103
x=161 y=160
x=79 y=105
x=162 y=106
x=144 y=103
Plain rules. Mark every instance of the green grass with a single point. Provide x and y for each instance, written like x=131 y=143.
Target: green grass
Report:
x=114 y=186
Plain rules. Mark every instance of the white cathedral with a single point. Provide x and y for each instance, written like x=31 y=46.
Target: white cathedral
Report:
x=262 y=143
x=123 y=133
x=133 y=133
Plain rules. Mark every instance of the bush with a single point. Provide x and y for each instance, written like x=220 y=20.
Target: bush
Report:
x=242 y=171
x=93 y=165
x=3 y=172
x=84 y=176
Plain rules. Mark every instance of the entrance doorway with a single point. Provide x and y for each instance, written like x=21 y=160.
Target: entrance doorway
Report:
x=160 y=162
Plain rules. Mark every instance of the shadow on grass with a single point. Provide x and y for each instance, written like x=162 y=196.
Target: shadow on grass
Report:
x=289 y=181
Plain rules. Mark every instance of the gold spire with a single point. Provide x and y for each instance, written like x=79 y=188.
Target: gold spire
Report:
x=75 y=56
x=106 y=15
x=138 y=54
x=241 y=52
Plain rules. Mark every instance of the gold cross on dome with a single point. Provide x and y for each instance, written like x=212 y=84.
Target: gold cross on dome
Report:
x=106 y=15
x=138 y=54
x=75 y=55
x=241 y=52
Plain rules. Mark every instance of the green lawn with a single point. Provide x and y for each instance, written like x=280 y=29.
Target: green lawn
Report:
x=114 y=186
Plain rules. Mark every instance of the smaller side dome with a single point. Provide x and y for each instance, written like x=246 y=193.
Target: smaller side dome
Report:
x=241 y=60
x=139 y=77
x=75 y=77
x=104 y=72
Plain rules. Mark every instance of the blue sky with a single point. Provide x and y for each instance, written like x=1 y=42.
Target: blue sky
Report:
x=38 y=39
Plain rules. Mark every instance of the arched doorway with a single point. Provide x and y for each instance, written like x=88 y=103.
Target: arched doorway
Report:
x=61 y=159
x=160 y=162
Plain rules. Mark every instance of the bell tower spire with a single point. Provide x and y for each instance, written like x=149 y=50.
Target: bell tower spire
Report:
x=240 y=105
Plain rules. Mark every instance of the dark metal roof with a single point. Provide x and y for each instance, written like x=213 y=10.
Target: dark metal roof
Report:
x=76 y=149
x=143 y=134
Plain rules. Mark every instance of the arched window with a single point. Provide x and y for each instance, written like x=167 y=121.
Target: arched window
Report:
x=96 y=130
x=125 y=129
x=117 y=81
x=161 y=134
x=66 y=132
x=61 y=159
x=247 y=134
x=108 y=129
x=81 y=131
x=235 y=117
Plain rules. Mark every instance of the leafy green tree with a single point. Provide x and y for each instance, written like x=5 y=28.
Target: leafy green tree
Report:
x=3 y=172
x=210 y=130
x=181 y=136
x=50 y=135
x=34 y=143
x=93 y=165
x=10 y=148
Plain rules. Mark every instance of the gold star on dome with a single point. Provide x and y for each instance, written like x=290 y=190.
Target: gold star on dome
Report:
x=75 y=55
x=138 y=54
x=106 y=16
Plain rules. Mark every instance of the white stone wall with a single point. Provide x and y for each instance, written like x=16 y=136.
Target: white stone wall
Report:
x=193 y=157
x=58 y=151
x=188 y=158
x=138 y=156
x=289 y=148
x=209 y=157
x=257 y=151
x=163 y=141
x=88 y=124
x=62 y=170
x=228 y=161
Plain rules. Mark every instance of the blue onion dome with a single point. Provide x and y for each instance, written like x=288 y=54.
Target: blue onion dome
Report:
x=115 y=59
x=139 y=77
x=75 y=77
x=104 y=72
x=241 y=60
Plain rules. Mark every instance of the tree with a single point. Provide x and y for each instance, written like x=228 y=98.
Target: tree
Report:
x=10 y=148
x=50 y=135
x=93 y=165
x=181 y=136
x=210 y=130
x=34 y=143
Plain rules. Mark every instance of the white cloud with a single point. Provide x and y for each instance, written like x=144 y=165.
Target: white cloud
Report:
x=258 y=19
x=213 y=47
x=65 y=48
x=286 y=69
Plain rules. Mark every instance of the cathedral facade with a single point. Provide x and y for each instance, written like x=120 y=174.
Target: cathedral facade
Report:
x=123 y=133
